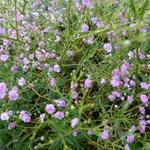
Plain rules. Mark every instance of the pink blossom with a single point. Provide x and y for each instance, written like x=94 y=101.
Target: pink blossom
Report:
x=59 y=115
x=85 y=28
x=107 y=47
x=11 y=125
x=130 y=138
x=42 y=117
x=88 y=83
x=56 y=68
x=13 y=94
x=21 y=81
x=105 y=135
x=24 y=116
x=145 y=85
x=4 y=57
x=3 y=90
x=144 y=99
x=50 y=109
x=74 y=122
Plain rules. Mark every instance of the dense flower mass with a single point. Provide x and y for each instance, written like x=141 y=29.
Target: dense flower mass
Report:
x=75 y=74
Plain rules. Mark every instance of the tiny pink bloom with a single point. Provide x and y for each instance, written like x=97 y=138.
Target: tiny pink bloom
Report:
x=74 y=133
x=4 y=57
x=3 y=90
x=89 y=132
x=60 y=103
x=125 y=67
x=50 y=109
x=142 y=110
x=52 y=82
x=13 y=94
x=88 y=83
x=41 y=44
x=42 y=117
x=90 y=5
x=103 y=81
x=130 y=99
x=56 y=68
x=85 y=28
x=115 y=83
x=21 y=81
x=74 y=122
x=6 y=42
x=24 y=116
x=111 y=97
x=105 y=135
x=59 y=115
x=19 y=16
x=132 y=83
x=11 y=125
x=14 y=69
x=145 y=85
x=107 y=47
x=130 y=139
x=116 y=94
x=94 y=20
x=144 y=99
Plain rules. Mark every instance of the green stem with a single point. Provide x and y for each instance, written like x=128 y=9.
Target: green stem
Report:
x=17 y=31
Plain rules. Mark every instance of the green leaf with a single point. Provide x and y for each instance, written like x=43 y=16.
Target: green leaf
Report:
x=133 y=7
x=56 y=145
x=73 y=142
x=143 y=8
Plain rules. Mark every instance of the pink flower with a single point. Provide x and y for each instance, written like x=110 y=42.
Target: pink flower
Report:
x=125 y=67
x=59 y=115
x=94 y=20
x=39 y=55
x=105 y=135
x=4 y=57
x=130 y=138
x=107 y=47
x=85 y=28
x=6 y=42
x=42 y=116
x=88 y=83
x=116 y=94
x=3 y=90
x=11 y=125
x=74 y=122
x=21 y=81
x=41 y=44
x=24 y=116
x=50 y=109
x=144 y=99
x=88 y=4
x=132 y=83
x=142 y=110
x=14 y=69
x=115 y=83
x=56 y=68
x=13 y=94
x=52 y=82
x=60 y=103
x=111 y=97
x=19 y=16
x=103 y=81
x=145 y=85
x=130 y=99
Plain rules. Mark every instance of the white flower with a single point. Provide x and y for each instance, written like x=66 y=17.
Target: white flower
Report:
x=4 y=116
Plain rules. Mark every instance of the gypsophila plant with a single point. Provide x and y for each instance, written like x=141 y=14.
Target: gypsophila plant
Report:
x=74 y=75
